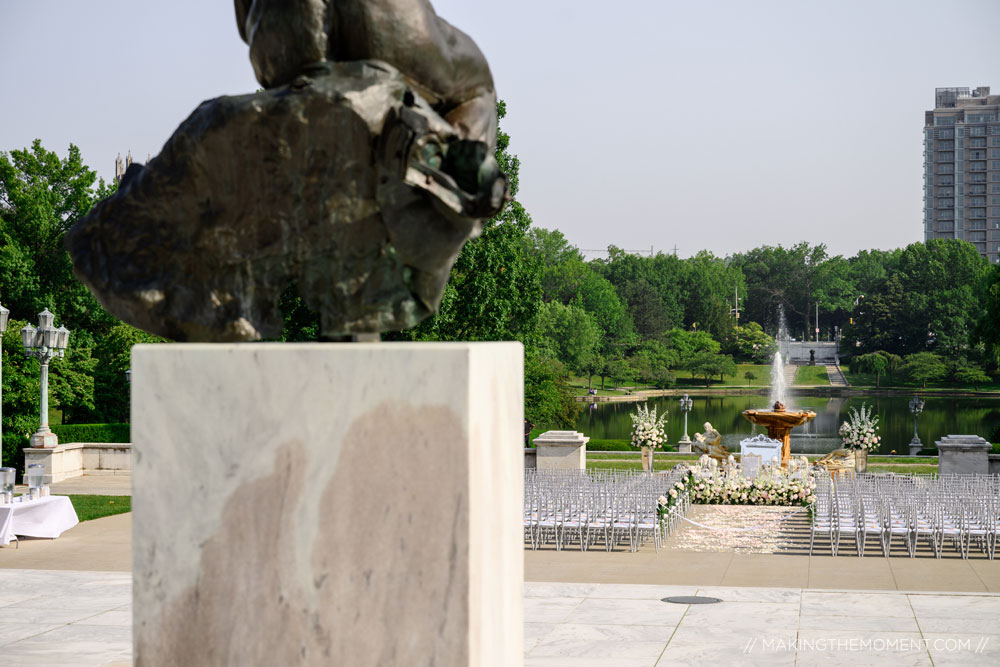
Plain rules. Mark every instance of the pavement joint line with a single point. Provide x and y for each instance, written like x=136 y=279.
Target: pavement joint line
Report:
x=798 y=630
x=674 y=632
x=920 y=630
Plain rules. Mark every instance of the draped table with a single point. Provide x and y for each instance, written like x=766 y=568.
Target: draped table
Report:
x=50 y=517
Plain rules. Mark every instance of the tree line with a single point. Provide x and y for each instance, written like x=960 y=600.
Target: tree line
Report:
x=621 y=318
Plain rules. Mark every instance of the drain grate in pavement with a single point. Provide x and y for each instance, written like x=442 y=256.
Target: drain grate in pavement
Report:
x=691 y=599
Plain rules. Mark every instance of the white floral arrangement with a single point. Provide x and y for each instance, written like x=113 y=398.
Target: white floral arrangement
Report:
x=711 y=484
x=861 y=430
x=648 y=430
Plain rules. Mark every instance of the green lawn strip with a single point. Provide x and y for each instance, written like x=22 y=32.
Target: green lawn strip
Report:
x=665 y=464
x=622 y=456
x=905 y=470
x=811 y=376
x=762 y=378
x=95 y=507
x=761 y=372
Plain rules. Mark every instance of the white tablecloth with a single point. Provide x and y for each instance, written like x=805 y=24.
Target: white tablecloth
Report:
x=49 y=517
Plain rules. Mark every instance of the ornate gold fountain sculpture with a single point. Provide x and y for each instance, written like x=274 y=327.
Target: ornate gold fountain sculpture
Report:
x=779 y=423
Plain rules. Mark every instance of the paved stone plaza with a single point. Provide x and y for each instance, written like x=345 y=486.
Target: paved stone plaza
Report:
x=55 y=618
x=778 y=609
x=628 y=625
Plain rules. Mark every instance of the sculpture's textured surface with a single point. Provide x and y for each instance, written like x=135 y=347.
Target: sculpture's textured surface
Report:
x=355 y=179
x=710 y=442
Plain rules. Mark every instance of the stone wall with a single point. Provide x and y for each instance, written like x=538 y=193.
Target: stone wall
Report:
x=81 y=458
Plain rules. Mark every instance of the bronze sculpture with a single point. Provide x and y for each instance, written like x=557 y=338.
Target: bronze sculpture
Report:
x=357 y=175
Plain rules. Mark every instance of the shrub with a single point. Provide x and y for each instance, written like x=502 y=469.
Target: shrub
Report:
x=13 y=456
x=92 y=433
x=617 y=445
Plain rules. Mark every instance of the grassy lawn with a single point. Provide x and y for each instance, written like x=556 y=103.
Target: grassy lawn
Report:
x=904 y=469
x=762 y=378
x=95 y=507
x=762 y=373
x=811 y=375
x=658 y=464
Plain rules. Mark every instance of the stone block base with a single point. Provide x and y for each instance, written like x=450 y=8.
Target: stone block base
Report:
x=963 y=454
x=561 y=450
x=44 y=440
x=328 y=504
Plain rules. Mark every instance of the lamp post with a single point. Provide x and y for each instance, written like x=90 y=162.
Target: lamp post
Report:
x=685 y=443
x=4 y=314
x=916 y=407
x=44 y=343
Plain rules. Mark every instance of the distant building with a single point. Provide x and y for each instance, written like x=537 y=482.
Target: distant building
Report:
x=962 y=168
x=122 y=167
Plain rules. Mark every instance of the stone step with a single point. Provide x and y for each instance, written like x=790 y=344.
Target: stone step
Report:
x=836 y=376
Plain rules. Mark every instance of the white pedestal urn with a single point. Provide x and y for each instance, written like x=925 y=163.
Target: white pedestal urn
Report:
x=647 y=459
x=861 y=460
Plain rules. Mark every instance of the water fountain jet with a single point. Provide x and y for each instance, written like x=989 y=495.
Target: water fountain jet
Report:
x=778 y=420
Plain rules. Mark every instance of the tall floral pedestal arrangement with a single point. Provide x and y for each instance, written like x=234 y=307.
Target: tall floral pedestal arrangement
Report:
x=860 y=434
x=648 y=432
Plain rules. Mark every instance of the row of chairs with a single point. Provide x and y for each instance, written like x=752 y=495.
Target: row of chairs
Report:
x=962 y=511
x=597 y=507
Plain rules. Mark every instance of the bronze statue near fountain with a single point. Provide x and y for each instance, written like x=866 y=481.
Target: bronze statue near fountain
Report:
x=779 y=423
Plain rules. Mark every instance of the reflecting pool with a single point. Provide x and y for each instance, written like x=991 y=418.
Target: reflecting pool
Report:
x=941 y=416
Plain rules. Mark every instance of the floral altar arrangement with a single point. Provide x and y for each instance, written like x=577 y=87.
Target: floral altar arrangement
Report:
x=860 y=433
x=710 y=483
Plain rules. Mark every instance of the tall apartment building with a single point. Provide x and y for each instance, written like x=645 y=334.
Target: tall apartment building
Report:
x=962 y=168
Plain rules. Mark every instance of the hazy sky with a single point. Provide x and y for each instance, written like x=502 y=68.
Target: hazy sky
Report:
x=718 y=125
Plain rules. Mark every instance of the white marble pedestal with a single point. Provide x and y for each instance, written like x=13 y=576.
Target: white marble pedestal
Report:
x=561 y=450
x=328 y=504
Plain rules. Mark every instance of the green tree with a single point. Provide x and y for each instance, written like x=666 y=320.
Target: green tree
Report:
x=874 y=363
x=41 y=196
x=924 y=367
x=987 y=331
x=548 y=399
x=795 y=278
x=751 y=343
x=551 y=248
x=750 y=376
x=591 y=367
x=570 y=332
x=942 y=280
x=969 y=373
x=113 y=356
x=686 y=344
x=877 y=363
x=710 y=287
x=652 y=361
x=650 y=287
x=620 y=371
x=709 y=364
x=20 y=395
